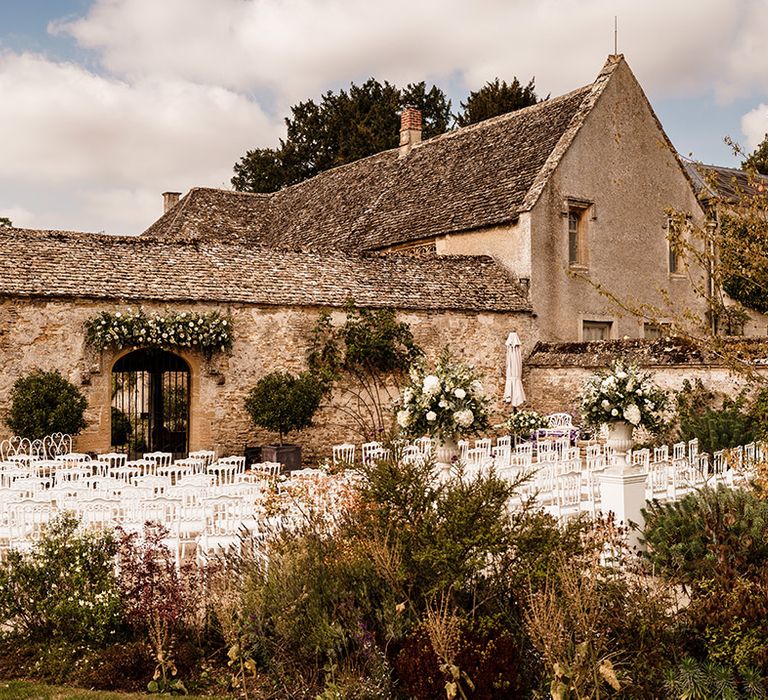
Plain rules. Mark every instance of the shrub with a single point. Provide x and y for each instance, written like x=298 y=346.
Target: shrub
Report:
x=63 y=588
x=281 y=402
x=718 y=422
x=43 y=403
x=708 y=533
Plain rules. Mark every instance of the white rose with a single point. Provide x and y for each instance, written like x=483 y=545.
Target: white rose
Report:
x=403 y=418
x=477 y=387
x=443 y=403
x=431 y=385
x=621 y=375
x=431 y=416
x=605 y=403
x=614 y=412
x=408 y=395
x=459 y=393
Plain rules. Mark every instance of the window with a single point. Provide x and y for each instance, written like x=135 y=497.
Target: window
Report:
x=596 y=330
x=674 y=244
x=577 y=244
x=653 y=331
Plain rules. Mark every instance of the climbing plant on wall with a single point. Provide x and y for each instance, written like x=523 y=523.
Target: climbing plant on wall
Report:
x=209 y=333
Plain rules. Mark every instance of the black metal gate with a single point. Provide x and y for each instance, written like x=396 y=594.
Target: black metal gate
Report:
x=150 y=403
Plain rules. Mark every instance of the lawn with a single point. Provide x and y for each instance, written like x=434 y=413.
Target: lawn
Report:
x=24 y=690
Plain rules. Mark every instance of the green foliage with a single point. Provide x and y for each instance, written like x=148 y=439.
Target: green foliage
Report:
x=495 y=98
x=342 y=128
x=121 y=427
x=5 y=222
x=282 y=402
x=758 y=159
x=64 y=588
x=708 y=533
x=363 y=357
x=742 y=257
x=42 y=403
x=718 y=422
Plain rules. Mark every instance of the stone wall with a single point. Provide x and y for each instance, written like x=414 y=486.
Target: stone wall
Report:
x=555 y=372
x=50 y=335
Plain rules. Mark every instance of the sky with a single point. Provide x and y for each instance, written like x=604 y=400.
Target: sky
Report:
x=108 y=103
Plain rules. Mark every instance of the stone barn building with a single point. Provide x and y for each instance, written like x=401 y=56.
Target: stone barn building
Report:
x=504 y=225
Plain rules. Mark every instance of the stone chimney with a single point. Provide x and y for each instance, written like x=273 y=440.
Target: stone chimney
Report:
x=170 y=200
x=410 y=129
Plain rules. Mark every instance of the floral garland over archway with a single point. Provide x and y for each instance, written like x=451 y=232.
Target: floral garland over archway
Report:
x=209 y=333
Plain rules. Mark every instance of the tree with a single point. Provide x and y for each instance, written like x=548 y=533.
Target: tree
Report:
x=281 y=402
x=342 y=128
x=758 y=159
x=43 y=403
x=496 y=98
x=5 y=222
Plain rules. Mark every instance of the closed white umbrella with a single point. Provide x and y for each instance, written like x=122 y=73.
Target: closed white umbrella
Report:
x=513 y=387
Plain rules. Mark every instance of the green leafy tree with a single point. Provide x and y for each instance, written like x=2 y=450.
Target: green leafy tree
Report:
x=342 y=128
x=5 y=222
x=43 y=403
x=365 y=358
x=758 y=159
x=494 y=98
x=282 y=402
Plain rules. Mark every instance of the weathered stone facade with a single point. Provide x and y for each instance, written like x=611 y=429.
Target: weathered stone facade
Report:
x=49 y=334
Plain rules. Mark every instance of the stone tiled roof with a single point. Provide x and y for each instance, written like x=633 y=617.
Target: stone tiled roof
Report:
x=726 y=184
x=478 y=176
x=56 y=264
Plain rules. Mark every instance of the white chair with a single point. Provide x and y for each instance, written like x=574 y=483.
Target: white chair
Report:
x=368 y=449
x=160 y=459
x=344 y=454
x=207 y=456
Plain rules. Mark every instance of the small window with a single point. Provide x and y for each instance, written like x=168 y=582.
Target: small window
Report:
x=596 y=330
x=653 y=331
x=577 y=243
x=674 y=246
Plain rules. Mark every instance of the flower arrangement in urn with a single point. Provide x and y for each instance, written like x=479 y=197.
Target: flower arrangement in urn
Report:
x=445 y=404
x=525 y=423
x=625 y=394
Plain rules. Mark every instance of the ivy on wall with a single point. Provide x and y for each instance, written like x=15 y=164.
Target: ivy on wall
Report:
x=209 y=333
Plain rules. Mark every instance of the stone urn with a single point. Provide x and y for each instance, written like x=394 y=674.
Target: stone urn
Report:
x=446 y=454
x=620 y=441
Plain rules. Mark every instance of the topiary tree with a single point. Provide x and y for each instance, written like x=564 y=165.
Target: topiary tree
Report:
x=282 y=402
x=43 y=403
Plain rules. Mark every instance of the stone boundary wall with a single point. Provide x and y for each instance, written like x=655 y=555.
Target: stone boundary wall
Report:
x=49 y=334
x=554 y=373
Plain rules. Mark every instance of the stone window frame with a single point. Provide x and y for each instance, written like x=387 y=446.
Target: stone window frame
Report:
x=597 y=319
x=582 y=211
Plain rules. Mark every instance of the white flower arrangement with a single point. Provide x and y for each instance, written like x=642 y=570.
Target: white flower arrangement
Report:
x=446 y=403
x=208 y=333
x=626 y=394
x=525 y=423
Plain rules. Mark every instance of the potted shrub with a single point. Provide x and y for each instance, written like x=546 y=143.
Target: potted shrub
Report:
x=282 y=403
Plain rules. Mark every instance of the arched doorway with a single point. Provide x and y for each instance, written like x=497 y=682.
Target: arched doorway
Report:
x=150 y=403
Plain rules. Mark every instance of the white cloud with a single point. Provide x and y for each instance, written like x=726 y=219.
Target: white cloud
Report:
x=297 y=48
x=66 y=125
x=754 y=126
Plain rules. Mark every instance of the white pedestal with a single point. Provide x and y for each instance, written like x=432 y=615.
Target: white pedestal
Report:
x=623 y=494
